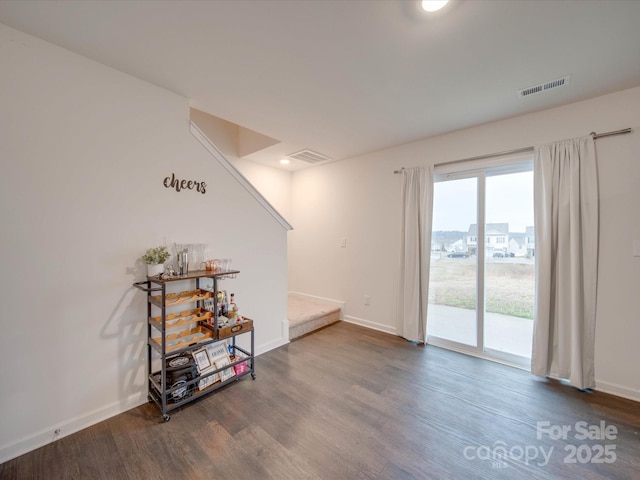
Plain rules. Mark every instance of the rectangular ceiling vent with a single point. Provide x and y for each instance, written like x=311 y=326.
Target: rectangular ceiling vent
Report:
x=542 y=87
x=309 y=156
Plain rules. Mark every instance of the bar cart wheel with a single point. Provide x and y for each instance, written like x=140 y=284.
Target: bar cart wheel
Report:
x=166 y=418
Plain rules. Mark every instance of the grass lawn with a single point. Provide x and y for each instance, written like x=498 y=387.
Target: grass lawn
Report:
x=509 y=285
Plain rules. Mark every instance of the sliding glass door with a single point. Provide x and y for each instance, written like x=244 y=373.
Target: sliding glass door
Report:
x=481 y=288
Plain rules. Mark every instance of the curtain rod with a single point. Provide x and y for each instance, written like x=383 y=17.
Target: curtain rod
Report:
x=522 y=150
x=609 y=134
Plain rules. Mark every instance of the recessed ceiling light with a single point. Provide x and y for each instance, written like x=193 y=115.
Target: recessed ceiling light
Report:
x=285 y=161
x=433 y=5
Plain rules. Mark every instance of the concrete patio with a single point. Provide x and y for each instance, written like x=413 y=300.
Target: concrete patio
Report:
x=502 y=332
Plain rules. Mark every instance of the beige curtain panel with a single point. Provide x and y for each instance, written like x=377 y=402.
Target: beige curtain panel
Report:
x=415 y=252
x=566 y=216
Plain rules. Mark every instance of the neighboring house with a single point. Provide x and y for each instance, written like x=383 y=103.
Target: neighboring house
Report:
x=517 y=244
x=497 y=237
x=447 y=241
x=530 y=241
x=458 y=246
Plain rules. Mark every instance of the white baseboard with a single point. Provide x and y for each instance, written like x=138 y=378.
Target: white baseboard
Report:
x=330 y=301
x=73 y=425
x=283 y=340
x=373 y=325
x=284 y=329
x=618 y=390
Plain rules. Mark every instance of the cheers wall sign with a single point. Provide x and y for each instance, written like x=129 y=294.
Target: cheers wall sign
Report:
x=177 y=184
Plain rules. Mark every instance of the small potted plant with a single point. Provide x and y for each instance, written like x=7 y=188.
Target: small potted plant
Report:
x=155 y=258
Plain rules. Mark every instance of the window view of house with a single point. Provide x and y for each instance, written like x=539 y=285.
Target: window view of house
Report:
x=451 y=315
x=509 y=267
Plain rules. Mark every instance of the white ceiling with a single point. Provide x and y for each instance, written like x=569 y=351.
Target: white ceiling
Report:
x=349 y=77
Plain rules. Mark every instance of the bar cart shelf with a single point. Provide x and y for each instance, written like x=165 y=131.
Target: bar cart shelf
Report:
x=173 y=337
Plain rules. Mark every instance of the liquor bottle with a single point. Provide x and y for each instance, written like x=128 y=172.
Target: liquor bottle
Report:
x=233 y=308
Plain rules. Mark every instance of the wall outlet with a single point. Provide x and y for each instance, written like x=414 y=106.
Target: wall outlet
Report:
x=343 y=242
x=367 y=300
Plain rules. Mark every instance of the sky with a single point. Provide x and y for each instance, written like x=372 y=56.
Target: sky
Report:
x=509 y=199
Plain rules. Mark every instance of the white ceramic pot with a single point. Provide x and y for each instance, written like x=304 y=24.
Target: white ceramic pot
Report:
x=155 y=270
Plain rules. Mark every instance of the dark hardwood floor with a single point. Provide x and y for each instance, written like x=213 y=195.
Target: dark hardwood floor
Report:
x=352 y=403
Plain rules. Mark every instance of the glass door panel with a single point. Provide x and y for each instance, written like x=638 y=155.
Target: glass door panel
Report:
x=509 y=264
x=453 y=283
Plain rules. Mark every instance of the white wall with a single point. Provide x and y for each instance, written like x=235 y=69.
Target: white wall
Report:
x=84 y=150
x=360 y=199
x=273 y=183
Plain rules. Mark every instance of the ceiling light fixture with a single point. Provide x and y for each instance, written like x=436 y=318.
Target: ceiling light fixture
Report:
x=433 y=5
x=285 y=161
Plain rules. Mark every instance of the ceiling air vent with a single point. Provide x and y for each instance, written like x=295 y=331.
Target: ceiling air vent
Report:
x=542 y=87
x=309 y=156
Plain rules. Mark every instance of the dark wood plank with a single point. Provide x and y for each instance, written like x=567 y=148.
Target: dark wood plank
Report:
x=352 y=403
